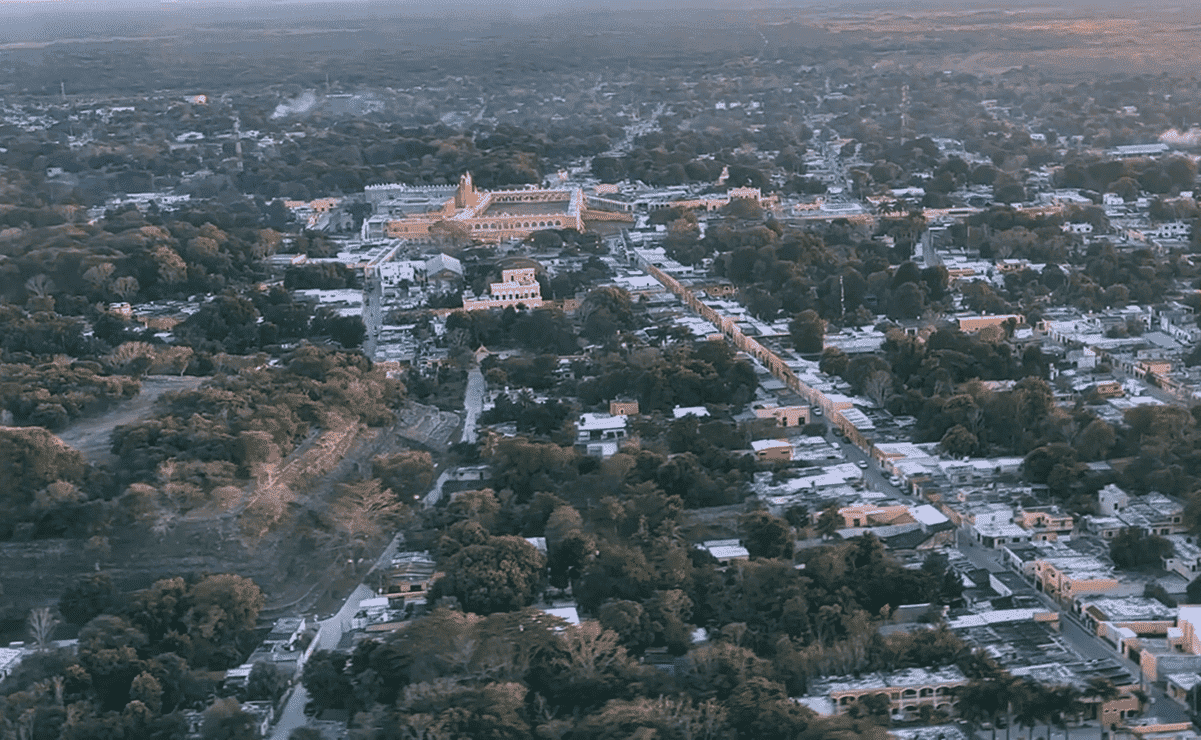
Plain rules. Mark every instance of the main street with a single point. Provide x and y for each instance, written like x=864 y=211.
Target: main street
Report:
x=1081 y=640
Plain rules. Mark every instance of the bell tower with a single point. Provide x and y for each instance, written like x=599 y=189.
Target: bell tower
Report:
x=465 y=194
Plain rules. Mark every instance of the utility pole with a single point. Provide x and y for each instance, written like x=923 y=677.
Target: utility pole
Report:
x=62 y=86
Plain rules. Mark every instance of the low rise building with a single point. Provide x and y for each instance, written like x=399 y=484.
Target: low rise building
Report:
x=623 y=407
x=1045 y=522
x=600 y=435
x=772 y=450
x=785 y=416
x=1066 y=576
x=1153 y=513
x=725 y=551
x=410 y=576
x=10 y=660
x=968 y=324
x=518 y=287
x=907 y=691
x=1185 y=559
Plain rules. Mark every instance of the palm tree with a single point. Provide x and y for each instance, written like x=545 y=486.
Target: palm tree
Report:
x=980 y=700
x=1067 y=703
x=1099 y=691
x=1033 y=704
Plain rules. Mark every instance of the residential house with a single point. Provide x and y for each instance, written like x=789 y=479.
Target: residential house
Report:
x=772 y=450
x=725 y=551
x=1045 y=522
x=785 y=416
x=600 y=435
x=410 y=576
x=1185 y=559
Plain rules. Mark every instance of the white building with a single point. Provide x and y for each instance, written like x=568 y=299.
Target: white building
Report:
x=600 y=434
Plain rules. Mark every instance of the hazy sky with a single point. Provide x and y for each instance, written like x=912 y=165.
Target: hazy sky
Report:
x=43 y=20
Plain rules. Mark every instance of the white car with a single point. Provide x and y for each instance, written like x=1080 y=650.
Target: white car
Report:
x=862 y=464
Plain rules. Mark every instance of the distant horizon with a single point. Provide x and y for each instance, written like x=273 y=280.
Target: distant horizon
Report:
x=46 y=20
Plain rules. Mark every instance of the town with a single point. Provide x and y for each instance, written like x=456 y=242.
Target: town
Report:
x=773 y=394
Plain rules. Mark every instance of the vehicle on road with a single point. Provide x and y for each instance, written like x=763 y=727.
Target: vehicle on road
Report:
x=862 y=463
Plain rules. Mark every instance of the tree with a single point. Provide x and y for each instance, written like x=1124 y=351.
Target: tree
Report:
x=41 y=623
x=766 y=536
x=32 y=458
x=90 y=595
x=1133 y=547
x=1008 y=189
x=502 y=574
x=266 y=682
x=959 y=442
x=1034 y=703
x=147 y=689
x=1193 y=591
x=605 y=311
x=409 y=473
x=982 y=700
x=222 y=609
x=830 y=521
x=808 y=332
x=834 y=361
x=40 y=286
x=225 y=720
x=664 y=717
x=906 y=302
x=363 y=512
x=1067 y=704
x=878 y=386
x=718 y=669
x=761 y=710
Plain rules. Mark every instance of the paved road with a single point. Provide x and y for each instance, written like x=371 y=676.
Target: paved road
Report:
x=435 y=494
x=876 y=479
x=473 y=403
x=1081 y=640
x=329 y=635
x=293 y=714
x=373 y=314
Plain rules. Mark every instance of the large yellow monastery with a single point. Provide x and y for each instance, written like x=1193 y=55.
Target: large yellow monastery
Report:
x=493 y=216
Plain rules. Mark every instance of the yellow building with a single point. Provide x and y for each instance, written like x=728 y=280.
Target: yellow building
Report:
x=907 y=691
x=785 y=416
x=623 y=408
x=1066 y=577
x=493 y=216
x=969 y=324
x=869 y=515
x=517 y=287
x=772 y=450
x=1045 y=522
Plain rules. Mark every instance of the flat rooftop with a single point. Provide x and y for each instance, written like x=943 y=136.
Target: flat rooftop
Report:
x=528 y=209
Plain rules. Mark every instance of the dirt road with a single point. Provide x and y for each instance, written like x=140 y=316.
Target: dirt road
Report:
x=91 y=436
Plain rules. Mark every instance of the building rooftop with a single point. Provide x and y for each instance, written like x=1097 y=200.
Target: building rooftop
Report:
x=883 y=680
x=1130 y=609
x=592 y=421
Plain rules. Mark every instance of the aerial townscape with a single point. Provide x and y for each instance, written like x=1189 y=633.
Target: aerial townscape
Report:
x=379 y=371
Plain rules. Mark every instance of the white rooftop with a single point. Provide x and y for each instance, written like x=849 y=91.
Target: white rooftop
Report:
x=767 y=444
x=591 y=421
x=928 y=515
x=567 y=613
